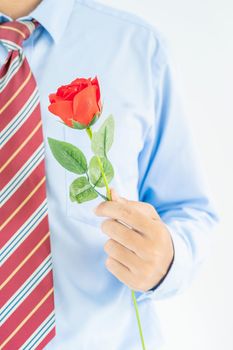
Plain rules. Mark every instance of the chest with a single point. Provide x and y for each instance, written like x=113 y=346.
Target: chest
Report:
x=123 y=96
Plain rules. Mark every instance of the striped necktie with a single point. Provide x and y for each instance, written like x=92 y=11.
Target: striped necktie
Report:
x=27 y=317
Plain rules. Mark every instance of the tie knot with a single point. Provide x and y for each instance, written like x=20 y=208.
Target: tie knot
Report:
x=13 y=33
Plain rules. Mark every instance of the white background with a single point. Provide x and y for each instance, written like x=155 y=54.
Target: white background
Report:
x=200 y=33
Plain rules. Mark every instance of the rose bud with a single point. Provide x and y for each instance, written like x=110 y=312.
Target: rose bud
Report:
x=78 y=104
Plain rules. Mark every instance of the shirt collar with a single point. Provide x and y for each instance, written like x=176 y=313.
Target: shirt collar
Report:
x=51 y=14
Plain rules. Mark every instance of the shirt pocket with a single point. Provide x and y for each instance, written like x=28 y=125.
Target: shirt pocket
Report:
x=123 y=156
x=80 y=211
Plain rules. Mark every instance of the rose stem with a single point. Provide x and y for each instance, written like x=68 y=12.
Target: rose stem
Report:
x=138 y=319
x=100 y=194
x=89 y=132
x=108 y=194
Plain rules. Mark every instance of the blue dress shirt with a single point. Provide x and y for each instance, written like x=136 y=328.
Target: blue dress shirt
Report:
x=153 y=159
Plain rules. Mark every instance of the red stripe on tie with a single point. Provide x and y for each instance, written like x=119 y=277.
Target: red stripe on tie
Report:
x=19 y=136
x=9 y=35
x=12 y=35
x=15 y=83
x=21 y=145
x=23 y=191
x=10 y=58
x=46 y=340
x=25 y=272
x=23 y=214
x=20 y=253
x=20 y=313
x=31 y=325
x=20 y=159
x=10 y=112
x=23 y=249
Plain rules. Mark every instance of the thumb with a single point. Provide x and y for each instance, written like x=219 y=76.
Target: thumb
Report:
x=143 y=207
x=114 y=195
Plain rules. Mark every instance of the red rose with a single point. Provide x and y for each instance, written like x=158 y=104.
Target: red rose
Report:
x=77 y=103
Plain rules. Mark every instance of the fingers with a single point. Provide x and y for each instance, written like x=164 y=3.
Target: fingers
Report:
x=123 y=235
x=123 y=255
x=145 y=207
x=127 y=213
x=119 y=271
x=140 y=248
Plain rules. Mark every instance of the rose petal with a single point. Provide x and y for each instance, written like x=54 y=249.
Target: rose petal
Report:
x=54 y=98
x=85 y=105
x=79 y=81
x=80 y=84
x=96 y=83
x=62 y=109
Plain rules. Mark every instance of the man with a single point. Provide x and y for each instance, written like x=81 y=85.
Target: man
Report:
x=157 y=188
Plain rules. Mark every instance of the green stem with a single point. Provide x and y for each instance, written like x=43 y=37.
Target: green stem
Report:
x=104 y=178
x=138 y=319
x=100 y=194
x=89 y=132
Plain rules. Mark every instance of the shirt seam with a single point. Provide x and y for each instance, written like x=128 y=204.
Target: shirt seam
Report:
x=118 y=13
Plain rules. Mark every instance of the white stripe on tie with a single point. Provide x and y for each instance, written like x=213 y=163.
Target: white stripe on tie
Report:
x=10 y=45
x=30 y=25
x=29 y=285
x=21 y=176
x=40 y=333
x=14 y=62
x=25 y=230
x=20 y=117
x=11 y=72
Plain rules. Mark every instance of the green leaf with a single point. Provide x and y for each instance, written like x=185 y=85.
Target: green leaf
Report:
x=95 y=171
x=81 y=190
x=103 y=138
x=69 y=156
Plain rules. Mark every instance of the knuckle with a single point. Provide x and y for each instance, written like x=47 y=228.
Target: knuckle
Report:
x=126 y=211
x=151 y=210
x=150 y=207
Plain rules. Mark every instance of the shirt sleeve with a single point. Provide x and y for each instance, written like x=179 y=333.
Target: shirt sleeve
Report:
x=172 y=181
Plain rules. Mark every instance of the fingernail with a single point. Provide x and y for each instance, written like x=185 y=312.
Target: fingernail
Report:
x=114 y=194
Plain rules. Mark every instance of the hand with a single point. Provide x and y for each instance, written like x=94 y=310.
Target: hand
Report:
x=140 y=248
